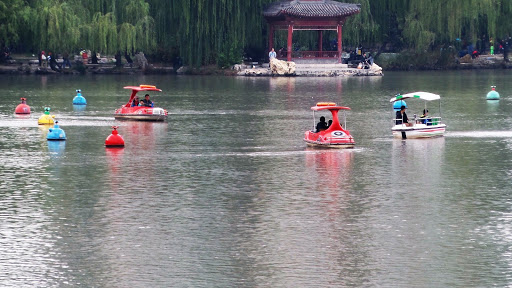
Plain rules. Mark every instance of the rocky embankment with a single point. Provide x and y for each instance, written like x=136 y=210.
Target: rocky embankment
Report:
x=82 y=69
x=287 y=68
x=30 y=65
x=275 y=68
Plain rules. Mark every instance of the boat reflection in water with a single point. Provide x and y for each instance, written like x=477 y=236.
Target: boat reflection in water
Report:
x=141 y=139
x=142 y=134
x=335 y=166
x=417 y=161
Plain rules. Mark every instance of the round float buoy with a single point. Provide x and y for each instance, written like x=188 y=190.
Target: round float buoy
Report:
x=22 y=108
x=79 y=99
x=398 y=104
x=56 y=133
x=46 y=118
x=493 y=95
x=114 y=139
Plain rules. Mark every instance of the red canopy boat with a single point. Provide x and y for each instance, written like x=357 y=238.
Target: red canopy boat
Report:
x=334 y=136
x=143 y=113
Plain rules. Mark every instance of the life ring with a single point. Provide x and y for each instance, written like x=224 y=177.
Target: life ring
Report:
x=325 y=104
x=147 y=86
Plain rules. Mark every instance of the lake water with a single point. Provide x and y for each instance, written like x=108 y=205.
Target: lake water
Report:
x=226 y=194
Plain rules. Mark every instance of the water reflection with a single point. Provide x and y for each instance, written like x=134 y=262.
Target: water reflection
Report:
x=334 y=167
x=282 y=84
x=79 y=108
x=44 y=130
x=114 y=162
x=56 y=148
x=21 y=116
x=493 y=105
x=417 y=161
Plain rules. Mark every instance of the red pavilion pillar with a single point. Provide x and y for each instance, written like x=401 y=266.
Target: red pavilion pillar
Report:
x=320 y=40
x=339 y=42
x=289 y=47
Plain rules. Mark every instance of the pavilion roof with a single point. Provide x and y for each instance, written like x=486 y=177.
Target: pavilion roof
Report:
x=311 y=8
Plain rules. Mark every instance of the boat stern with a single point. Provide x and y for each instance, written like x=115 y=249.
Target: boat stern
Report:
x=329 y=139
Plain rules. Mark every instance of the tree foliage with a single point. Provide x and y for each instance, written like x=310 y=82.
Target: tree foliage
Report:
x=214 y=31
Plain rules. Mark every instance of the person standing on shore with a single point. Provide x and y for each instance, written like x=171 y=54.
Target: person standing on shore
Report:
x=271 y=54
x=44 y=62
x=65 y=60
x=84 y=57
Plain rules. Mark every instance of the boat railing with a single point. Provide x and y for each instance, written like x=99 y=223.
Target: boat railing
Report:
x=429 y=121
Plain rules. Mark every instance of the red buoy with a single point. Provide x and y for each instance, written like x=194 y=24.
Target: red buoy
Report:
x=22 y=108
x=114 y=139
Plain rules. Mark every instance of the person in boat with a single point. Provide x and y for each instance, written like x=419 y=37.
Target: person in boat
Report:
x=135 y=101
x=23 y=100
x=329 y=123
x=401 y=117
x=147 y=102
x=322 y=125
x=141 y=103
x=424 y=116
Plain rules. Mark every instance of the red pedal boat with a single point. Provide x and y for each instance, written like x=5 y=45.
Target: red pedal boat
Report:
x=334 y=136
x=142 y=113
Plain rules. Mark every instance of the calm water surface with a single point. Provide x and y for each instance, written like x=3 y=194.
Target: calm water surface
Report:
x=225 y=193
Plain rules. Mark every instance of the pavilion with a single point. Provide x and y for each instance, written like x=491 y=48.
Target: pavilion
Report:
x=315 y=15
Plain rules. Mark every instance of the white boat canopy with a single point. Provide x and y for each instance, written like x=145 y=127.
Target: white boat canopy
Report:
x=427 y=96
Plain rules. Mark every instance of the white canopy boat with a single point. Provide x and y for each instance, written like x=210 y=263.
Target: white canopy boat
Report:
x=425 y=126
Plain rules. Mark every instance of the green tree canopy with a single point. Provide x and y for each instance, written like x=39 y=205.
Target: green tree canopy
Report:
x=205 y=32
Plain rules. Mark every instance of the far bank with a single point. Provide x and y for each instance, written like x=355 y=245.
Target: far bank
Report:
x=404 y=61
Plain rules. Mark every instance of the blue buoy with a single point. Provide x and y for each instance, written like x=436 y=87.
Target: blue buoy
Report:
x=493 y=95
x=398 y=104
x=79 y=99
x=55 y=133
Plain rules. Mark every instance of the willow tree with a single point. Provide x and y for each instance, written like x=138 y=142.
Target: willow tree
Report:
x=103 y=35
x=127 y=26
x=202 y=30
x=360 y=28
x=13 y=14
x=421 y=24
x=206 y=31
x=54 y=25
x=105 y=26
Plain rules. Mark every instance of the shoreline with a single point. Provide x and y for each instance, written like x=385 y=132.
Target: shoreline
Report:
x=24 y=67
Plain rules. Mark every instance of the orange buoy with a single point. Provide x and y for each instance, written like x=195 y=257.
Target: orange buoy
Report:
x=114 y=139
